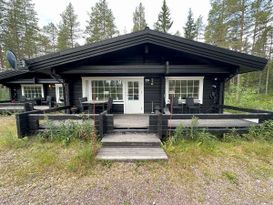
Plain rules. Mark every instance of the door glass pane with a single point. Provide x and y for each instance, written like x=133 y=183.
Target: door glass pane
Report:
x=133 y=90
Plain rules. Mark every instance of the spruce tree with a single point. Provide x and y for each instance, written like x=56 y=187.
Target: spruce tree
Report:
x=199 y=28
x=68 y=29
x=21 y=28
x=101 y=23
x=190 y=28
x=164 y=22
x=139 y=18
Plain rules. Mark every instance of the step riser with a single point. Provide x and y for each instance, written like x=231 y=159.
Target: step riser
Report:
x=124 y=131
x=130 y=144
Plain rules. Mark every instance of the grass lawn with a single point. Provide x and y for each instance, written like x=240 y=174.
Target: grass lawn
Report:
x=230 y=171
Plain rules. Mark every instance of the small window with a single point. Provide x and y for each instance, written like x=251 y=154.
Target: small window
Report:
x=32 y=91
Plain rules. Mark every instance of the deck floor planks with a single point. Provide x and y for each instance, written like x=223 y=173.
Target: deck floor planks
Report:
x=210 y=123
x=131 y=121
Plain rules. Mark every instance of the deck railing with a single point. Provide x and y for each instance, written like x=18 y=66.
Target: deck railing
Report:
x=161 y=123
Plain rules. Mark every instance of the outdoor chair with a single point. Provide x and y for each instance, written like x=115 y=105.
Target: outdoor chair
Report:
x=174 y=104
x=83 y=107
x=23 y=99
x=109 y=105
x=48 y=101
x=191 y=106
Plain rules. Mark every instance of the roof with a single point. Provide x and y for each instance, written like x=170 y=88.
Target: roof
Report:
x=12 y=73
x=245 y=62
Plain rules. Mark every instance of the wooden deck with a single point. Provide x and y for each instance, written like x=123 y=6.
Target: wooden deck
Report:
x=131 y=121
x=212 y=123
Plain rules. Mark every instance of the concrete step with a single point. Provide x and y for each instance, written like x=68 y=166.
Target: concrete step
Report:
x=131 y=139
x=127 y=130
x=131 y=153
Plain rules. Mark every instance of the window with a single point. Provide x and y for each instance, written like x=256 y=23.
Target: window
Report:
x=32 y=91
x=59 y=93
x=184 y=87
x=133 y=93
x=103 y=89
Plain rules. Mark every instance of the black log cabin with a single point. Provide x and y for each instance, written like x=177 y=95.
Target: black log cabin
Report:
x=140 y=71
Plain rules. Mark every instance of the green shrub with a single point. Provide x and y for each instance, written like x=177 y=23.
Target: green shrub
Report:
x=261 y=132
x=68 y=130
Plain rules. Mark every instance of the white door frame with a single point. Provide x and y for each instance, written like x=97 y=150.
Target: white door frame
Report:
x=141 y=95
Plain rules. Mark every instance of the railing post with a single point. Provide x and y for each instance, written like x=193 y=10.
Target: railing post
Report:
x=109 y=123
x=159 y=125
x=22 y=124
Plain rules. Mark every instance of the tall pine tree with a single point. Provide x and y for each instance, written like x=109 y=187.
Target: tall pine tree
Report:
x=50 y=31
x=164 y=22
x=190 y=27
x=101 y=23
x=21 y=28
x=139 y=18
x=68 y=29
x=2 y=28
x=216 y=29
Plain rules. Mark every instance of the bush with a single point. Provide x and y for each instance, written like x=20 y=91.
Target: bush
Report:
x=261 y=132
x=68 y=130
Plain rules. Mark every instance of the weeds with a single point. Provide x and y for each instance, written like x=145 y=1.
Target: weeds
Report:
x=68 y=131
x=231 y=176
x=83 y=160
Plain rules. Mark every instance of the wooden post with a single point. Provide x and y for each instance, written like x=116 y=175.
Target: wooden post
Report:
x=159 y=125
x=66 y=97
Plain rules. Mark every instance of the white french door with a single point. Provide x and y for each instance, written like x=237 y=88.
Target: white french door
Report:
x=134 y=96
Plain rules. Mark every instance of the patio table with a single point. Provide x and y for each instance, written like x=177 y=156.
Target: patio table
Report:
x=91 y=103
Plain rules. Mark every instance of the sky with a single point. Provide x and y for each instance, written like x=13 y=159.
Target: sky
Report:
x=50 y=10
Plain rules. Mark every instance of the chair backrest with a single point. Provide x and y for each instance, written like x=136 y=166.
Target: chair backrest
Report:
x=49 y=100
x=174 y=101
x=109 y=105
x=81 y=100
x=23 y=98
x=189 y=101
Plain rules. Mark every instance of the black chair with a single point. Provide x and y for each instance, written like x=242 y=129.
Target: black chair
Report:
x=174 y=104
x=191 y=105
x=109 y=105
x=23 y=99
x=82 y=107
x=48 y=101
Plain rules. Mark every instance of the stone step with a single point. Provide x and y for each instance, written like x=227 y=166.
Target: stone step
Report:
x=131 y=153
x=131 y=139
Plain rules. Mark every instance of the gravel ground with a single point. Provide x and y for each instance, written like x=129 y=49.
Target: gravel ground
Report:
x=138 y=183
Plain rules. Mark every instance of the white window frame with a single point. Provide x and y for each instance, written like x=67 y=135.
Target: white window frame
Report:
x=57 y=91
x=32 y=85
x=201 y=87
